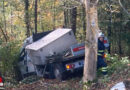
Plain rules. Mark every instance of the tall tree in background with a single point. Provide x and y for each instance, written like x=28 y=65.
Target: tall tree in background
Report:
x=65 y=18
x=27 y=17
x=120 y=34
x=35 y=15
x=4 y=31
x=91 y=40
x=74 y=17
x=54 y=15
x=110 y=25
x=84 y=18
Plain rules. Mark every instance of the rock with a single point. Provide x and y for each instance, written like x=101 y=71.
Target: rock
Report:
x=119 y=86
x=127 y=84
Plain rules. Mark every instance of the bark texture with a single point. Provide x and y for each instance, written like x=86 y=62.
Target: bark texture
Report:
x=91 y=40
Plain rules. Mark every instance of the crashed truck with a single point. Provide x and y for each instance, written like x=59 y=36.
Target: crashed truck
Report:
x=53 y=54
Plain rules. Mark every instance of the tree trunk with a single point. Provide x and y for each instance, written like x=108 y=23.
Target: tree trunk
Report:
x=54 y=16
x=27 y=17
x=120 y=34
x=90 y=64
x=2 y=31
x=4 y=20
x=73 y=21
x=65 y=18
x=35 y=15
x=109 y=26
x=11 y=23
x=84 y=20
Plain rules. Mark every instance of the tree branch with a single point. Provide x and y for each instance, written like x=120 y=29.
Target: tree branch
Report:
x=123 y=7
x=6 y=39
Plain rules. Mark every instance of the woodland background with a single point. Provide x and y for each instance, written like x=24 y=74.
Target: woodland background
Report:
x=19 y=19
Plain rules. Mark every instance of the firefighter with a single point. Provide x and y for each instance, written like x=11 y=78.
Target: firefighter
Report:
x=101 y=64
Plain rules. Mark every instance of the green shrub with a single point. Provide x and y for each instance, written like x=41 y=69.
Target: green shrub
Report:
x=116 y=63
x=9 y=53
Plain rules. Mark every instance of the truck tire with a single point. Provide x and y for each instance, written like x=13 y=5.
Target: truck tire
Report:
x=58 y=72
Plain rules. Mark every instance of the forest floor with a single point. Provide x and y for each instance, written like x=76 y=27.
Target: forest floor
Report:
x=75 y=83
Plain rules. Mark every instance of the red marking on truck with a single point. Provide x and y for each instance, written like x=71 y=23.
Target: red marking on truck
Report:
x=78 y=48
x=0 y=79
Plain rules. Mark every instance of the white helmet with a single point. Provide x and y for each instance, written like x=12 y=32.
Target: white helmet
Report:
x=100 y=34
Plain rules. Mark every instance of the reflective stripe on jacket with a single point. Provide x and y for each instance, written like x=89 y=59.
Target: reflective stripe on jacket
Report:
x=104 y=69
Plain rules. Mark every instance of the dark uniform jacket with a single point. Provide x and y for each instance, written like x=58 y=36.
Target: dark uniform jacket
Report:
x=101 y=48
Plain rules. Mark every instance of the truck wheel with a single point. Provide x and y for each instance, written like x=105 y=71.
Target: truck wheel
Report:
x=58 y=72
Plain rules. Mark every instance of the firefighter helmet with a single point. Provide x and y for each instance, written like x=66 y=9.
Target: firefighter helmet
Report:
x=100 y=34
